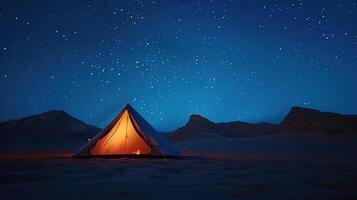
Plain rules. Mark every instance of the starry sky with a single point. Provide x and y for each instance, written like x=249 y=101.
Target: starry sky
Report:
x=226 y=60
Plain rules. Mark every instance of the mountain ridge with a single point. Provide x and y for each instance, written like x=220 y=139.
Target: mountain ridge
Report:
x=51 y=129
x=299 y=119
x=199 y=126
x=56 y=127
x=313 y=120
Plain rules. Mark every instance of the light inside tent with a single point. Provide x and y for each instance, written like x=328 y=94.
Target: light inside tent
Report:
x=122 y=139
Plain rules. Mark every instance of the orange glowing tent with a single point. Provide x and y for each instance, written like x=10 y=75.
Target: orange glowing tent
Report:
x=128 y=135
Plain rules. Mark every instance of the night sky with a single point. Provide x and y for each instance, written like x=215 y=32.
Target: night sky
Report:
x=226 y=60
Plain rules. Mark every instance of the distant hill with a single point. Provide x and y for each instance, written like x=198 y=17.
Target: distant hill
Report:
x=51 y=130
x=309 y=120
x=57 y=130
x=298 y=120
x=198 y=126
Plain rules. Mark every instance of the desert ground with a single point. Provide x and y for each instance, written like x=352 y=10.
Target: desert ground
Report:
x=286 y=166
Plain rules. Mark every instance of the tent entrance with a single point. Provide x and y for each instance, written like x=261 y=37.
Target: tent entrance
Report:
x=121 y=139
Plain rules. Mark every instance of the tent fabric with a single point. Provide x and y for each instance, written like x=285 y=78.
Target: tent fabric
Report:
x=121 y=139
x=129 y=134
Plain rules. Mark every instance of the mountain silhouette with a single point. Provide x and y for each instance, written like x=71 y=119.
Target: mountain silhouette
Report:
x=310 y=120
x=50 y=129
x=56 y=129
x=198 y=126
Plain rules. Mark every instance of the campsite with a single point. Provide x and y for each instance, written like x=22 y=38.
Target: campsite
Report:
x=178 y=99
x=131 y=159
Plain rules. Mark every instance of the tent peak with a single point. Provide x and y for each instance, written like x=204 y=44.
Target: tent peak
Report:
x=128 y=106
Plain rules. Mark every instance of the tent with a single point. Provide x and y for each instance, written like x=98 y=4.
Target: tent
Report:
x=128 y=135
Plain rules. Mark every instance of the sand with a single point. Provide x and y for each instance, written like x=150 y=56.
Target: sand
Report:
x=293 y=145
x=286 y=166
x=176 y=179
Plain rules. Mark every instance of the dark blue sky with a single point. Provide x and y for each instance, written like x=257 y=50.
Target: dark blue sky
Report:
x=226 y=60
